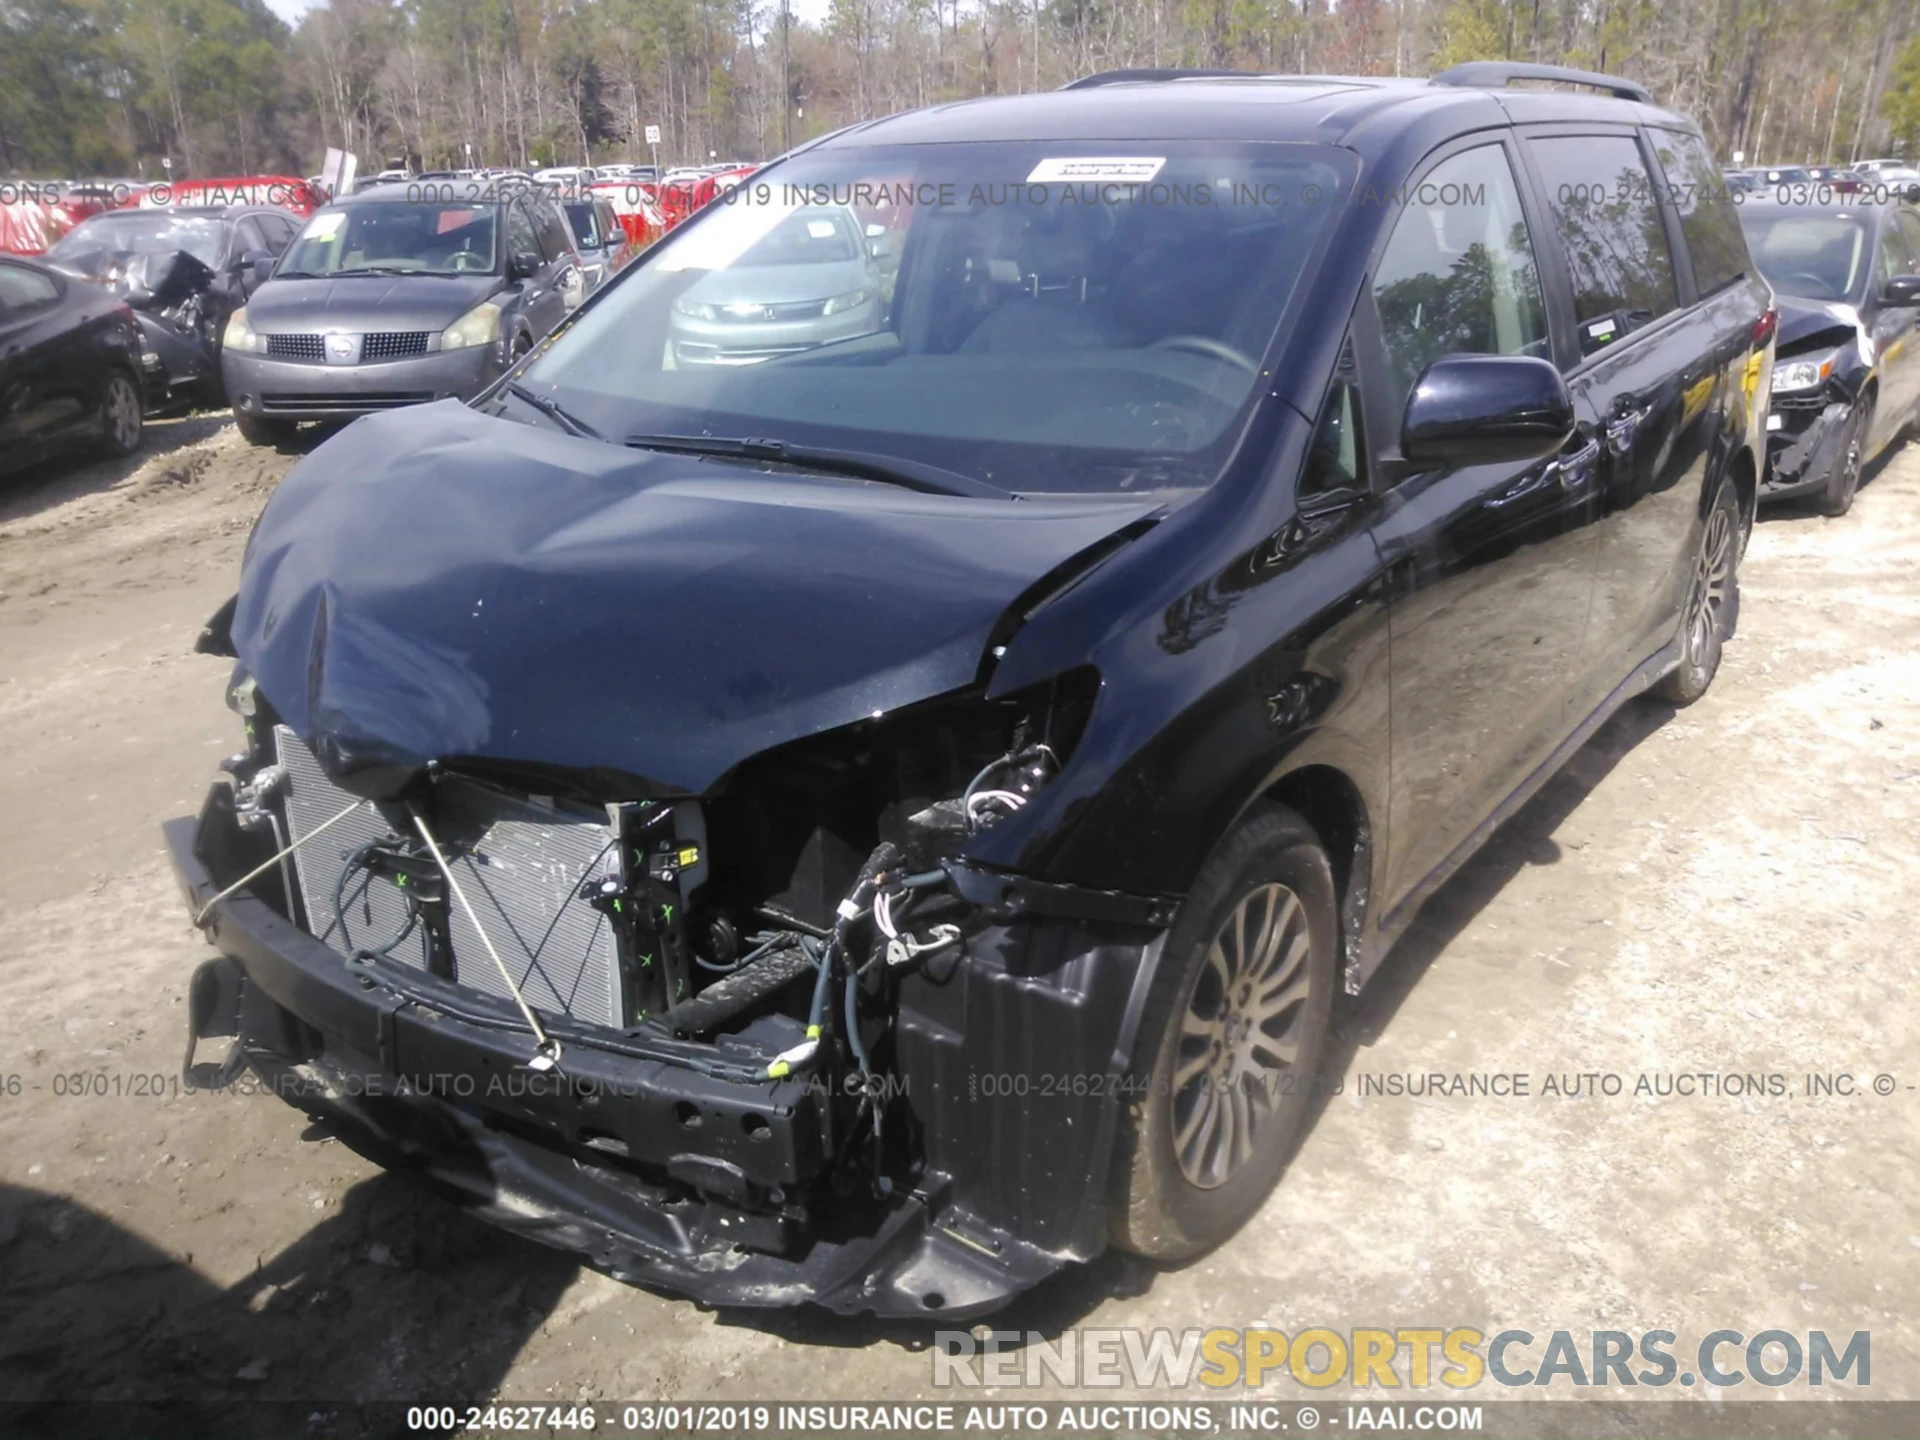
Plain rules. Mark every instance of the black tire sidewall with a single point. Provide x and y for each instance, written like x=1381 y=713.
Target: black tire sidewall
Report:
x=256 y=431
x=1844 y=483
x=1154 y=1209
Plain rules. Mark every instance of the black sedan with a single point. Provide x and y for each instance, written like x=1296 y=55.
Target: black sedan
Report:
x=182 y=271
x=404 y=294
x=1846 y=381
x=69 y=367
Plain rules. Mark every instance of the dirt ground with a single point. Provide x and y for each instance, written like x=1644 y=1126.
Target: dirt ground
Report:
x=1730 y=889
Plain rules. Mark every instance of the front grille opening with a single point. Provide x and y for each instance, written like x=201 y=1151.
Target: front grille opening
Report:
x=521 y=867
x=375 y=346
x=296 y=347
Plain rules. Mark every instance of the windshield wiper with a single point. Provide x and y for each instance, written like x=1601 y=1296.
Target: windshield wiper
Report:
x=855 y=464
x=370 y=270
x=573 y=425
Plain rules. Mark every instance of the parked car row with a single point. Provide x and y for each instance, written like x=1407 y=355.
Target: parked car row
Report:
x=1883 y=178
x=963 y=686
x=383 y=298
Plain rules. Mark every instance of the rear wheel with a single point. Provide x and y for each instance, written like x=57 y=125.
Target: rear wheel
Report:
x=1230 y=1042
x=1712 y=598
x=1843 y=482
x=120 y=421
x=256 y=431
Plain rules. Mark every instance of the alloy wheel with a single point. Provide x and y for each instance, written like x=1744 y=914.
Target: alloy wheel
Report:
x=1240 y=1034
x=123 y=413
x=1712 y=588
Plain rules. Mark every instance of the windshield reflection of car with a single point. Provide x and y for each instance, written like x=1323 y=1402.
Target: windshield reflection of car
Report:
x=144 y=234
x=1011 y=312
x=393 y=239
x=1814 y=257
x=807 y=282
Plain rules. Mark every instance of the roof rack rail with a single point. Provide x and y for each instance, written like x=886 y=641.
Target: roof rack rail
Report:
x=1498 y=74
x=1125 y=77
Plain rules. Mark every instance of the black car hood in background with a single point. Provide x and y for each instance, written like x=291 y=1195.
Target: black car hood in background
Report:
x=358 y=304
x=145 y=279
x=435 y=583
x=1800 y=318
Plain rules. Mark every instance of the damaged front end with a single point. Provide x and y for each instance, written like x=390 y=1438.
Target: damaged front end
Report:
x=1818 y=374
x=176 y=299
x=777 y=1038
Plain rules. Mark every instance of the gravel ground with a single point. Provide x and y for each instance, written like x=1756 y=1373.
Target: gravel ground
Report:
x=1727 y=890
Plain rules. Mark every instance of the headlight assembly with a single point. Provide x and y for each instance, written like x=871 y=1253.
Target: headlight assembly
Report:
x=240 y=335
x=1805 y=372
x=840 y=304
x=479 y=326
x=696 y=309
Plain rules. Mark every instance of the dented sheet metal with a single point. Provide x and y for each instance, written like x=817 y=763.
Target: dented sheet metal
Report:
x=442 y=585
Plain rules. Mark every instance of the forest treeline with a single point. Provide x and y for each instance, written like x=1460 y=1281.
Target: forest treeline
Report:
x=108 y=87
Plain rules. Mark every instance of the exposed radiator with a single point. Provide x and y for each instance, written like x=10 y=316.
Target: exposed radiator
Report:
x=521 y=871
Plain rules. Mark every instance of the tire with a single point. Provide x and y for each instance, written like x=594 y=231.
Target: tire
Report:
x=1843 y=482
x=120 y=419
x=1713 y=598
x=256 y=431
x=1181 y=1181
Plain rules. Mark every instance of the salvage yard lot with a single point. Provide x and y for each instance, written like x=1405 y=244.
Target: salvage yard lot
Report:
x=1726 y=890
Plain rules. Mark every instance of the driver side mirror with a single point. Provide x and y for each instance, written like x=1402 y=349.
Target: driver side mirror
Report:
x=1902 y=291
x=880 y=247
x=523 y=265
x=254 y=267
x=1485 y=410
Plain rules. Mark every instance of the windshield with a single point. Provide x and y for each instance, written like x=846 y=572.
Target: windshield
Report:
x=149 y=232
x=394 y=238
x=1039 y=316
x=1815 y=257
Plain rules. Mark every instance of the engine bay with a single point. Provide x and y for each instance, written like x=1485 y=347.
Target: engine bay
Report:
x=754 y=935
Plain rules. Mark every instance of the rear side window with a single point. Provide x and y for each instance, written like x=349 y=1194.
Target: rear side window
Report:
x=1604 y=207
x=24 y=291
x=1707 y=217
x=1458 y=274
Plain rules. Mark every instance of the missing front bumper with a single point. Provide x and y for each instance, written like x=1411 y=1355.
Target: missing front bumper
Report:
x=1802 y=453
x=662 y=1175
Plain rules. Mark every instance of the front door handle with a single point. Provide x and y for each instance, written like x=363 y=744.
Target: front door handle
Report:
x=1575 y=467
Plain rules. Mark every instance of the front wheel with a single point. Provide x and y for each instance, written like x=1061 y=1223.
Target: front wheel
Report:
x=256 y=431
x=1713 y=595
x=1230 y=1043
x=1843 y=481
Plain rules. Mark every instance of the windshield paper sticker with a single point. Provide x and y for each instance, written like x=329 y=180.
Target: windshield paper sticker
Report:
x=1098 y=170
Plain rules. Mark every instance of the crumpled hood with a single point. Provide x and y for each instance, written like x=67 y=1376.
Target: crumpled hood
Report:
x=434 y=583
x=1800 y=318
